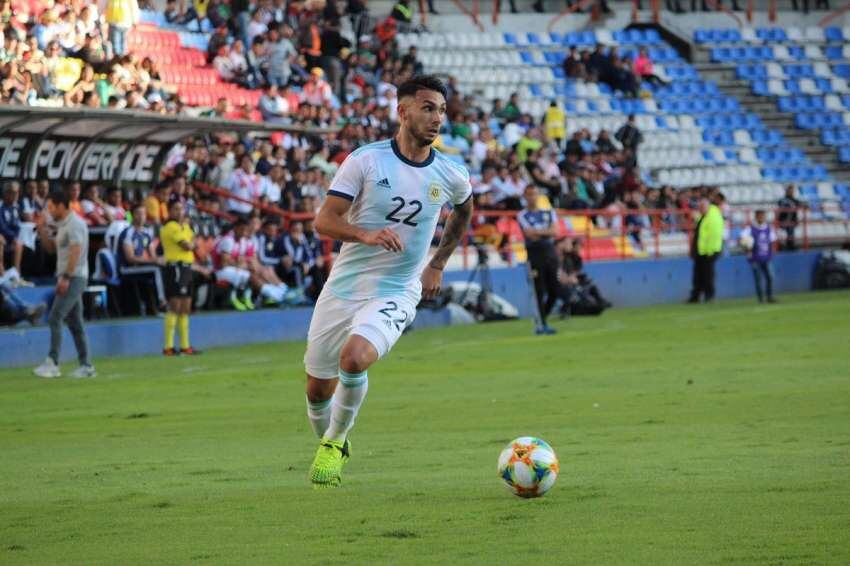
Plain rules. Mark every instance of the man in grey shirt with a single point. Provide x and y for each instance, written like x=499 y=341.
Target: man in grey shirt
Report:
x=71 y=245
x=281 y=54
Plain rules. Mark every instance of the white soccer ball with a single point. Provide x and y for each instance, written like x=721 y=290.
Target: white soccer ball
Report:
x=528 y=466
x=746 y=241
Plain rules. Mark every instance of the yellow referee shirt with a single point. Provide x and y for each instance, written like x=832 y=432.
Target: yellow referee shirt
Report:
x=171 y=235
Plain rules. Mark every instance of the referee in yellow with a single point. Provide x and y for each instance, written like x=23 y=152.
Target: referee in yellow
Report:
x=178 y=245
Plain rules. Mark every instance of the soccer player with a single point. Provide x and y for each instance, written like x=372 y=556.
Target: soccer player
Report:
x=383 y=204
x=178 y=245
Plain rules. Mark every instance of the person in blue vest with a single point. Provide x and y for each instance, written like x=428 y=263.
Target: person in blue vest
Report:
x=759 y=238
x=11 y=247
x=137 y=258
x=538 y=228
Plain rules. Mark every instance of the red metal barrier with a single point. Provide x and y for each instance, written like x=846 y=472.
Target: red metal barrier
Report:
x=606 y=234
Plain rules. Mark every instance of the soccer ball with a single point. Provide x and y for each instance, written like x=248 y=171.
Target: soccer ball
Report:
x=528 y=466
x=747 y=242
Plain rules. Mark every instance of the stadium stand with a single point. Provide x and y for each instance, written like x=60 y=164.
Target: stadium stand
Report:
x=697 y=138
x=804 y=74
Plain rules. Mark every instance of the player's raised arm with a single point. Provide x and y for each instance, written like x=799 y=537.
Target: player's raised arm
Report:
x=332 y=222
x=456 y=226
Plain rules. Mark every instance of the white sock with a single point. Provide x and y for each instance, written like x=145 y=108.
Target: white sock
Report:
x=319 y=415
x=246 y=295
x=272 y=292
x=346 y=403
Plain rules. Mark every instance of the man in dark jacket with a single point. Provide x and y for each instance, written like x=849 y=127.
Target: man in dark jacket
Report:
x=629 y=135
x=788 y=219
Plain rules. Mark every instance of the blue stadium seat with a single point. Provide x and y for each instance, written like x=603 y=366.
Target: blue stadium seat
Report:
x=797 y=52
x=761 y=88
x=845 y=100
x=558 y=71
x=842 y=191
x=833 y=34
x=771 y=35
x=730 y=35
x=842 y=70
x=555 y=37
x=844 y=154
x=527 y=57
x=510 y=39
x=823 y=85
x=805 y=121
x=533 y=38
x=535 y=90
x=553 y=58
x=767 y=138
x=588 y=37
x=702 y=36
x=798 y=71
x=720 y=54
x=834 y=52
x=651 y=36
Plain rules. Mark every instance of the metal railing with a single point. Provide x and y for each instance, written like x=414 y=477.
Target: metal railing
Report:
x=605 y=233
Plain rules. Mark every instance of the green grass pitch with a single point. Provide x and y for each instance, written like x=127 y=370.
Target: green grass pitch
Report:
x=687 y=435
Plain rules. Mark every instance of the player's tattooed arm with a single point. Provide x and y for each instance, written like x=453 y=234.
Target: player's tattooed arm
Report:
x=456 y=226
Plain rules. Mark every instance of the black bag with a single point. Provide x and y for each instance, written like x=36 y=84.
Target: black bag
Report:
x=833 y=271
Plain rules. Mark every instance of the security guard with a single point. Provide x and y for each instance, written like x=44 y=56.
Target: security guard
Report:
x=706 y=246
x=538 y=227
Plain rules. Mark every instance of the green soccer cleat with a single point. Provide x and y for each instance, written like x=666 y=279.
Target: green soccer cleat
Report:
x=326 y=470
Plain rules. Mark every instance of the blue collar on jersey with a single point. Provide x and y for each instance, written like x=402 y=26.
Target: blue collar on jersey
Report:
x=407 y=161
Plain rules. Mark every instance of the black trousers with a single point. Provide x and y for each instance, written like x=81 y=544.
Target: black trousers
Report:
x=703 y=280
x=544 y=269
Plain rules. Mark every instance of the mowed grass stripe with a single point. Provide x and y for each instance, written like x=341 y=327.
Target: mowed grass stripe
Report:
x=687 y=435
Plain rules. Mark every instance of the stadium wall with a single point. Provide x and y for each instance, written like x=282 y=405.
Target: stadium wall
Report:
x=625 y=283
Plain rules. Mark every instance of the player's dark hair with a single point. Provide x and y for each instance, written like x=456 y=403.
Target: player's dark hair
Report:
x=422 y=82
x=60 y=197
x=760 y=211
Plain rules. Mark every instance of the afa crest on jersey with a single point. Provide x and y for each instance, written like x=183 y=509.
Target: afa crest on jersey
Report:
x=434 y=192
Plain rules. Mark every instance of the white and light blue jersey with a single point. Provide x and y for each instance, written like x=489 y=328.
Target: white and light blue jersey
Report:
x=387 y=190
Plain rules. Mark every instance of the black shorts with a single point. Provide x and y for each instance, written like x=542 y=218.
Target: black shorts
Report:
x=178 y=280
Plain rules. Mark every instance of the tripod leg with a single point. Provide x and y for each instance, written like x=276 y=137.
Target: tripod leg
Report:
x=538 y=318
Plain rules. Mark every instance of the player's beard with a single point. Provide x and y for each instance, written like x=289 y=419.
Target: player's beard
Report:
x=423 y=137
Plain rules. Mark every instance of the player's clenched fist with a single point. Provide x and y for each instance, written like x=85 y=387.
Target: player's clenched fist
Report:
x=386 y=238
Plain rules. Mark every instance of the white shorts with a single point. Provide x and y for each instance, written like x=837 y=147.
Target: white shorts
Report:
x=381 y=321
x=236 y=276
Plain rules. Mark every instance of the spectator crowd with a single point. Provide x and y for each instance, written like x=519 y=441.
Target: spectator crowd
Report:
x=236 y=189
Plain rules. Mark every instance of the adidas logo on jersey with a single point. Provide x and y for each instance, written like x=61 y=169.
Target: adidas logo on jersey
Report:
x=385 y=183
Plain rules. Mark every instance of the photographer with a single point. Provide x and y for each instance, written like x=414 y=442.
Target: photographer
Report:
x=579 y=293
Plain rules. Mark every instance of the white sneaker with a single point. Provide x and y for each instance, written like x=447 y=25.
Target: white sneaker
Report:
x=48 y=369
x=84 y=371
